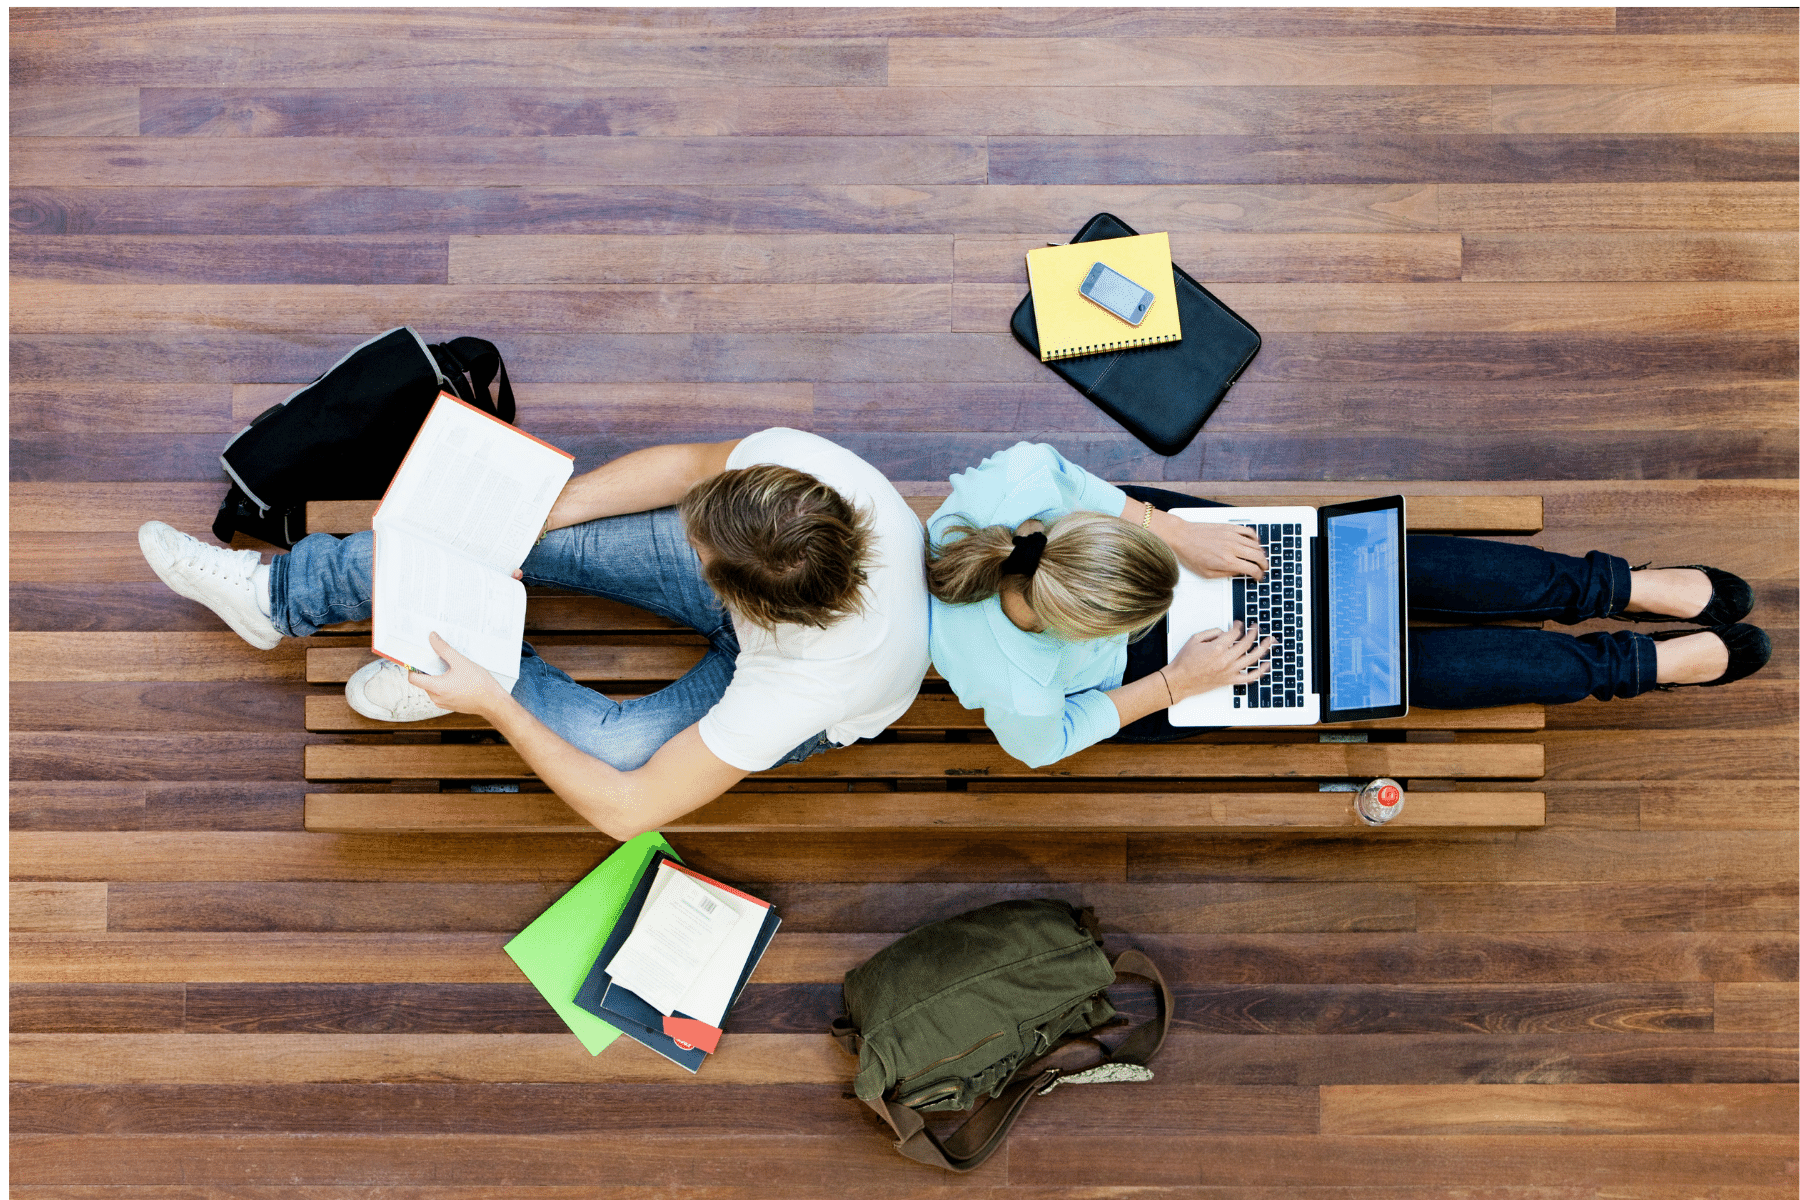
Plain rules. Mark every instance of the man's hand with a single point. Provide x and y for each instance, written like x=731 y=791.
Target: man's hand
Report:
x=1215 y=657
x=1212 y=550
x=466 y=687
x=679 y=778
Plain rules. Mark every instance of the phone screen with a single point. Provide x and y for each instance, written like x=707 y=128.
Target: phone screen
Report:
x=1113 y=291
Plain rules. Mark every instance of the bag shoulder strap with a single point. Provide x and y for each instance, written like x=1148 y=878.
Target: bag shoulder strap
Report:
x=979 y=1136
x=480 y=360
x=1142 y=1044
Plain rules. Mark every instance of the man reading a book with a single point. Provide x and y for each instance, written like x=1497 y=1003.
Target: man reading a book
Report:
x=798 y=561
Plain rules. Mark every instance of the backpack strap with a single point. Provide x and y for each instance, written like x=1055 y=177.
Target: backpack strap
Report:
x=1142 y=1043
x=972 y=1143
x=980 y=1135
x=848 y=1036
x=480 y=360
x=279 y=525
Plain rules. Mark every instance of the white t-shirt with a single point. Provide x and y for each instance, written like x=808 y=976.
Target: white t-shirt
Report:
x=853 y=679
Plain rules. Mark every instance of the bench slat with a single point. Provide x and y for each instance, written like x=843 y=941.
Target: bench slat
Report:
x=333 y=714
x=549 y=615
x=1127 y=812
x=937 y=761
x=1424 y=513
x=548 y=611
x=589 y=664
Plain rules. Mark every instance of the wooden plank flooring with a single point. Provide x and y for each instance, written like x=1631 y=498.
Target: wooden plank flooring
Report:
x=1531 y=251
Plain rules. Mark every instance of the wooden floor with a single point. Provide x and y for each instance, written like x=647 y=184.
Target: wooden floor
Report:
x=1548 y=251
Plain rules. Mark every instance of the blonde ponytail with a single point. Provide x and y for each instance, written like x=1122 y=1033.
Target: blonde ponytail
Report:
x=1099 y=575
x=967 y=570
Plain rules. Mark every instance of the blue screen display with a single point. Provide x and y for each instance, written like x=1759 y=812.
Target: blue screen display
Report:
x=1366 y=622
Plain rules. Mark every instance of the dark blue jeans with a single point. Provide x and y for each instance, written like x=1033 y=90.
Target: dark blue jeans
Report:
x=1462 y=580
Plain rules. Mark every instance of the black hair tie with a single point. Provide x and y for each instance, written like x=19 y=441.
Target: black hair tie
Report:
x=1025 y=554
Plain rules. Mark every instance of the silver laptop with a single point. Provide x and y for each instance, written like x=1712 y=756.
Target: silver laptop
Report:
x=1334 y=596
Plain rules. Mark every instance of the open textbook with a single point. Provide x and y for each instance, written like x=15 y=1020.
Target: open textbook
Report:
x=462 y=513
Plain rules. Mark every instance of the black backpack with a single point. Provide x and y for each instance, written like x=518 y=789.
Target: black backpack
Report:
x=342 y=436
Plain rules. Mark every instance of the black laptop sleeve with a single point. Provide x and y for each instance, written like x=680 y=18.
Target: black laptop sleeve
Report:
x=1162 y=394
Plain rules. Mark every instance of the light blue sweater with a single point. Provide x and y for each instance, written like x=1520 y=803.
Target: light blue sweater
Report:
x=1043 y=697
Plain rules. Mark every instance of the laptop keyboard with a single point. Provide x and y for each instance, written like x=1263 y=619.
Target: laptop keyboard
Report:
x=1278 y=606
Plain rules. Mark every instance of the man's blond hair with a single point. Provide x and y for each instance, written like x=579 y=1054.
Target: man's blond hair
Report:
x=782 y=547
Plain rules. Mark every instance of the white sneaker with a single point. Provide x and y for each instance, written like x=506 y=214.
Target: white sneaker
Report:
x=381 y=691
x=216 y=577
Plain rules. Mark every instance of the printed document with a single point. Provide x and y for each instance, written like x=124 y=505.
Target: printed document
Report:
x=682 y=926
x=462 y=513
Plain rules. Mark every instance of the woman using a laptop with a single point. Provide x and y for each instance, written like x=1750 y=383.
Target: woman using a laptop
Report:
x=1049 y=590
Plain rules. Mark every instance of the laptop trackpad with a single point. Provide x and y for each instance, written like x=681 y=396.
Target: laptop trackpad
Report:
x=1200 y=604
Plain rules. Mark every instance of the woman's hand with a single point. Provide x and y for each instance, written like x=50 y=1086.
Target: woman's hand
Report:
x=466 y=687
x=1215 y=657
x=1212 y=550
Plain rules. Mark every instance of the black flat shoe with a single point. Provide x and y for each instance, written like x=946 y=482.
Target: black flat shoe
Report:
x=1747 y=646
x=1731 y=602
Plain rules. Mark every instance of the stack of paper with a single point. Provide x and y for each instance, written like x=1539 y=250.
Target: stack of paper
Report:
x=678 y=957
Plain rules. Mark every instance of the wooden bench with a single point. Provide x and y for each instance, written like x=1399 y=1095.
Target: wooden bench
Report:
x=937 y=767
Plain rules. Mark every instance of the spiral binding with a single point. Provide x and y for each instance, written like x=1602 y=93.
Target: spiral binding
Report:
x=1102 y=347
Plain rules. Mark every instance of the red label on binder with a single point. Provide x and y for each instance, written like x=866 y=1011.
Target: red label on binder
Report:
x=692 y=1034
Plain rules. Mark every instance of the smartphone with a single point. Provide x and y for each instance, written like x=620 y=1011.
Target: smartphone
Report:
x=1117 y=294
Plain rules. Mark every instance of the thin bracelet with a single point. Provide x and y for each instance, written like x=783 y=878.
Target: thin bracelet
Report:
x=1168 y=689
x=1148 y=509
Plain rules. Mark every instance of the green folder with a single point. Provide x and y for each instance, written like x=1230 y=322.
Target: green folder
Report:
x=557 y=950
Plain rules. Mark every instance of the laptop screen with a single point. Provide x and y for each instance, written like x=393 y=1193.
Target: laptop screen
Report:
x=1367 y=625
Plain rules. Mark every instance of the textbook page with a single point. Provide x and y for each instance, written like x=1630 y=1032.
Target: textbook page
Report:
x=476 y=484
x=463 y=511
x=423 y=587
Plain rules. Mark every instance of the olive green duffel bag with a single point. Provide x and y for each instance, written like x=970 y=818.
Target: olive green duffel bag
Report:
x=978 y=1005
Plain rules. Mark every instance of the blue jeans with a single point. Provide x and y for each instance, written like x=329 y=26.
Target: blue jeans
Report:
x=640 y=559
x=1462 y=580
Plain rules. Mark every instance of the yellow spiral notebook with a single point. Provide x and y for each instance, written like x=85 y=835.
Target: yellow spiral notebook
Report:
x=1070 y=325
